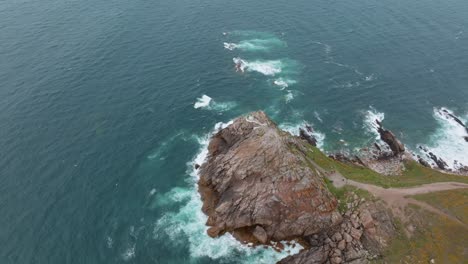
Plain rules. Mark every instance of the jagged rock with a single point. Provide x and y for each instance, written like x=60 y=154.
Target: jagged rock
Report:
x=466 y=138
x=353 y=254
x=307 y=135
x=337 y=237
x=256 y=175
x=341 y=245
x=337 y=260
x=438 y=161
x=388 y=137
x=356 y=233
x=347 y=237
x=197 y=166
x=366 y=219
x=424 y=163
x=377 y=237
x=311 y=256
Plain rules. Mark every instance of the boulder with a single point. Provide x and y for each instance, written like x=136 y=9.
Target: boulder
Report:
x=260 y=234
x=388 y=137
x=307 y=135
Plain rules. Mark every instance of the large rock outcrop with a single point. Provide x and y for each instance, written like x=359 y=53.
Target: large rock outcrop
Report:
x=388 y=137
x=258 y=184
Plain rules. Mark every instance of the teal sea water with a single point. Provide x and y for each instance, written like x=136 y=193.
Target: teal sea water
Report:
x=106 y=105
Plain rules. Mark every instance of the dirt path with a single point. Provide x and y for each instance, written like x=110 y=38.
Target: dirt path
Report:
x=398 y=198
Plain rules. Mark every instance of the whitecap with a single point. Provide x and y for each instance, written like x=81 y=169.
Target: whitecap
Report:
x=202 y=102
x=283 y=83
x=109 y=242
x=318 y=117
x=230 y=46
x=255 y=44
x=289 y=96
x=208 y=103
x=129 y=253
x=186 y=227
x=369 y=78
x=448 y=142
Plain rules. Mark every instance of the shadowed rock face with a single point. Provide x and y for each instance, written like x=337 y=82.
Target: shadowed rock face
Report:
x=388 y=137
x=258 y=184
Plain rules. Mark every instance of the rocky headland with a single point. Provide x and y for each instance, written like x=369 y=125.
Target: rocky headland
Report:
x=266 y=187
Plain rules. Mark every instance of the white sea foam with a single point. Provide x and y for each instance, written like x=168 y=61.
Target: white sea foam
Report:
x=284 y=83
x=347 y=85
x=202 y=102
x=293 y=129
x=317 y=116
x=187 y=225
x=109 y=242
x=255 y=44
x=289 y=96
x=230 y=46
x=129 y=253
x=207 y=103
x=265 y=67
x=370 y=123
x=447 y=142
x=369 y=78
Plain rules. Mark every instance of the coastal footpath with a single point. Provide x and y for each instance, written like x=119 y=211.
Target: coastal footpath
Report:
x=267 y=187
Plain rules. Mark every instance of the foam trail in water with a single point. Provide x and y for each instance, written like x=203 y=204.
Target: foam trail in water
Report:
x=289 y=96
x=255 y=44
x=448 y=140
x=206 y=102
x=265 y=67
x=187 y=225
x=283 y=83
x=370 y=121
x=318 y=117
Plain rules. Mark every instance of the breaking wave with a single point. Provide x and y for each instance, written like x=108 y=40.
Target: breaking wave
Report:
x=283 y=83
x=293 y=129
x=208 y=103
x=289 y=96
x=203 y=101
x=448 y=142
x=265 y=67
x=186 y=227
x=370 y=124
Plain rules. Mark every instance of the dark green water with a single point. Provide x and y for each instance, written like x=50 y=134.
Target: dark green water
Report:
x=98 y=129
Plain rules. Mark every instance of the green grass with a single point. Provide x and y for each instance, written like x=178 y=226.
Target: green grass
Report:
x=343 y=194
x=453 y=202
x=414 y=174
x=435 y=237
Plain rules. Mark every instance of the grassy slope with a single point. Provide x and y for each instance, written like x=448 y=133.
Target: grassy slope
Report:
x=454 y=202
x=415 y=174
x=435 y=237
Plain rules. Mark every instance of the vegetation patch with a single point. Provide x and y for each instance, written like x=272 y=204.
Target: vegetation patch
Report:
x=434 y=238
x=413 y=175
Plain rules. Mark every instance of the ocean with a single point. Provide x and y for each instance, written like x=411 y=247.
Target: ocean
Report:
x=105 y=107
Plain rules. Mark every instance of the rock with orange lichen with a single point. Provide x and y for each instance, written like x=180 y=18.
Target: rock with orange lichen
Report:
x=258 y=184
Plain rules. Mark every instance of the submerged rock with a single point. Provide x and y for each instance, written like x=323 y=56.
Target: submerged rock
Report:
x=258 y=184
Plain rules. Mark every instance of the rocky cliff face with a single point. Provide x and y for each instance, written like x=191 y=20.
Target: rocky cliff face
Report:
x=258 y=185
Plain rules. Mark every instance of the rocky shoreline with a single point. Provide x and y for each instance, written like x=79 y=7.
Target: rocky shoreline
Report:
x=259 y=184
